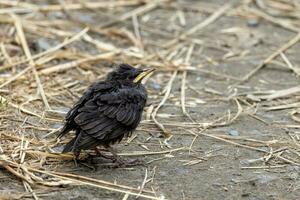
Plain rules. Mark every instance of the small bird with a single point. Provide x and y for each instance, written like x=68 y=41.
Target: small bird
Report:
x=107 y=112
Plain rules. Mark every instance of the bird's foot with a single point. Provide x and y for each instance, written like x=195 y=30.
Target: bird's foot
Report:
x=117 y=161
x=121 y=162
x=104 y=154
x=130 y=162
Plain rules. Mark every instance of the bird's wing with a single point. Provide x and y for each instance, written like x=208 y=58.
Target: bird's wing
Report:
x=125 y=105
x=98 y=87
x=109 y=116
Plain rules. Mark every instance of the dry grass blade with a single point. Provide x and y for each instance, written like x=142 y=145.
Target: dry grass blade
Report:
x=228 y=141
x=183 y=83
x=24 y=7
x=267 y=17
x=48 y=57
x=110 y=186
x=78 y=180
x=69 y=65
x=217 y=14
x=294 y=117
x=144 y=183
x=289 y=64
x=50 y=50
x=140 y=10
x=283 y=48
x=21 y=73
x=22 y=37
x=279 y=94
x=101 y=182
x=63 y=44
x=167 y=93
x=3 y=102
x=283 y=107
x=151 y=153
x=239 y=111
x=17 y=174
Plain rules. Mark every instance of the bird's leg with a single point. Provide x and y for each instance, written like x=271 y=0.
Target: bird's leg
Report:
x=114 y=154
x=100 y=153
x=121 y=162
x=77 y=161
x=76 y=158
x=117 y=161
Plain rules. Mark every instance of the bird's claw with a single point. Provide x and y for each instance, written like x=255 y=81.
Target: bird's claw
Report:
x=120 y=162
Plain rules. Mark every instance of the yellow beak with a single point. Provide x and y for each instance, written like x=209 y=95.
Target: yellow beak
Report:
x=142 y=75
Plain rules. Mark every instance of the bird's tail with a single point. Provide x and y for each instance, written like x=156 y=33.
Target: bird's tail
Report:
x=70 y=146
x=64 y=130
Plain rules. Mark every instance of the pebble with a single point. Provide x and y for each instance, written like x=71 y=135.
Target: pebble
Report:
x=43 y=44
x=155 y=86
x=233 y=132
x=85 y=18
x=252 y=22
x=263 y=178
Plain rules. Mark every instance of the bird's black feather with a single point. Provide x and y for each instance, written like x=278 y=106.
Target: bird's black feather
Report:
x=108 y=111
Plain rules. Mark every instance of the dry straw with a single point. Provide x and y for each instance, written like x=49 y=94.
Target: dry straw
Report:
x=47 y=64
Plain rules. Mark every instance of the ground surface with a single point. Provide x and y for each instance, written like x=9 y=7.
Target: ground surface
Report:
x=234 y=133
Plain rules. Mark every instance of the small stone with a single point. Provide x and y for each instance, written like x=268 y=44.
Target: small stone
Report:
x=233 y=132
x=43 y=44
x=55 y=15
x=155 y=86
x=264 y=178
x=252 y=22
x=85 y=18
x=293 y=175
x=246 y=194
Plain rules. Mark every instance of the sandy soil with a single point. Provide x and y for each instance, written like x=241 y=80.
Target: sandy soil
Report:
x=233 y=143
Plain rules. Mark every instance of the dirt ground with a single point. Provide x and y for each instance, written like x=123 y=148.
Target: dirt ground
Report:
x=226 y=91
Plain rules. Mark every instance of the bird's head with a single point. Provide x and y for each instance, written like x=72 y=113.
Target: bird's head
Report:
x=127 y=72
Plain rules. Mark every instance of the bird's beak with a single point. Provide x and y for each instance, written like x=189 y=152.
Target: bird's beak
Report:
x=143 y=74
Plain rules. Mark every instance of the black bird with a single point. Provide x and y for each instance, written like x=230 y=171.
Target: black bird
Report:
x=108 y=111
